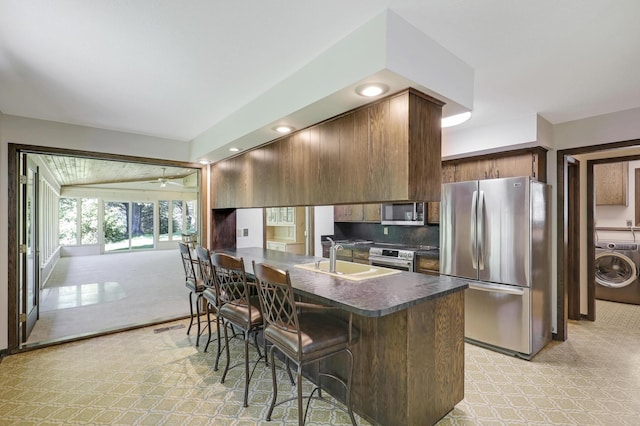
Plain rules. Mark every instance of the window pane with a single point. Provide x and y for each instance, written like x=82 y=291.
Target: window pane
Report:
x=116 y=226
x=176 y=220
x=191 y=216
x=89 y=225
x=68 y=215
x=141 y=225
x=163 y=211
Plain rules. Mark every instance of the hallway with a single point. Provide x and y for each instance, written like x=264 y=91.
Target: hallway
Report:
x=91 y=294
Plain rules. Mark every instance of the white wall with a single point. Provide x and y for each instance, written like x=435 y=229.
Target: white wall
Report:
x=322 y=225
x=28 y=131
x=252 y=220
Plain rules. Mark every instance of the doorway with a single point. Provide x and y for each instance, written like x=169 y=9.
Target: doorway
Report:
x=610 y=152
x=24 y=255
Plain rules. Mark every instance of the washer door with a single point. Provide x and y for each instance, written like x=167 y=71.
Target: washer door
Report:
x=614 y=269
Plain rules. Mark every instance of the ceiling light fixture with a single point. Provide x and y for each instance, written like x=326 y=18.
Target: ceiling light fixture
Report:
x=454 y=120
x=204 y=162
x=283 y=129
x=234 y=149
x=372 y=89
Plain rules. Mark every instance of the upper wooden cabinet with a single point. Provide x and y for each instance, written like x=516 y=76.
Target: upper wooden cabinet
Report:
x=529 y=162
x=357 y=213
x=385 y=151
x=611 y=180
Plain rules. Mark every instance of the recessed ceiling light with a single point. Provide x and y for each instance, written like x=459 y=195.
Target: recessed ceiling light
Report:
x=454 y=120
x=371 y=89
x=283 y=129
x=234 y=149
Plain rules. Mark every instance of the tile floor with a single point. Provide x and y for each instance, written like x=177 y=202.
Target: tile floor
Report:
x=88 y=294
x=145 y=377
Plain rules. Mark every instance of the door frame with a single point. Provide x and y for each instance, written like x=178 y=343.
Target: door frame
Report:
x=13 y=162
x=572 y=214
x=29 y=268
x=565 y=239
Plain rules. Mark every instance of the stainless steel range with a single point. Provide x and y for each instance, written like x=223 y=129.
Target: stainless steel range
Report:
x=392 y=257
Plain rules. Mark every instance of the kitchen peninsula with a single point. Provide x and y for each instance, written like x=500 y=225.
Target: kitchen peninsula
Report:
x=409 y=359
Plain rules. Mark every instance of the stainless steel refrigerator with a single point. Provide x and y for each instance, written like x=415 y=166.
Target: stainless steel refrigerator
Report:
x=496 y=233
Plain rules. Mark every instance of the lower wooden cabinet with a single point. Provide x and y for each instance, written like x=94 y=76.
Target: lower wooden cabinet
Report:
x=297 y=248
x=427 y=265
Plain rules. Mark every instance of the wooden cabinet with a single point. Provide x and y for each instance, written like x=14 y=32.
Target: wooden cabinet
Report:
x=361 y=256
x=357 y=213
x=285 y=229
x=296 y=248
x=281 y=216
x=528 y=162
x=389 y=150
x=611 y=181
x=433 y=213
x=348 y=213
x=427 y=265
x=371 y=213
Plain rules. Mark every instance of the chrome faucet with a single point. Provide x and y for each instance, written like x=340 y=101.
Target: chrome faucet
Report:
x=332 y=254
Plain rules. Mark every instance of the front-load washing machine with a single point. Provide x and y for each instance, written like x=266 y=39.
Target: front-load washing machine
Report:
x=617 y=267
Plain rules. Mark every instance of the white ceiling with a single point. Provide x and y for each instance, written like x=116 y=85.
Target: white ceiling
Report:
x=175 y=69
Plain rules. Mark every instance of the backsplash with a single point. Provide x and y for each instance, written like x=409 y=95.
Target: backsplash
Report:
x=410 y=235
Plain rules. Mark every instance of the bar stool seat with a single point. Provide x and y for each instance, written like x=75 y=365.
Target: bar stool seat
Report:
x=320 y=335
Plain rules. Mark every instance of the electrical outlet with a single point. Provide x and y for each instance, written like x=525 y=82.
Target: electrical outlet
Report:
x=629 y=223
x=386 y=231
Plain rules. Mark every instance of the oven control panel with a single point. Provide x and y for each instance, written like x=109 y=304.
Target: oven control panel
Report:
x=397 y=254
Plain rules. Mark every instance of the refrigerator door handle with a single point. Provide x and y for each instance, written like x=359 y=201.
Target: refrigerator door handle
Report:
x=497 y=289
x=480 y=230
x=474 y=224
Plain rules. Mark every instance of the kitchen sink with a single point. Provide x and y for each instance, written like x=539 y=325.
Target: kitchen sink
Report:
x=348 y=270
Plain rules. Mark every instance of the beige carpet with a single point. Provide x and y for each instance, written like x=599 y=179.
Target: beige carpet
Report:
x=90 y=294
x=143 y=377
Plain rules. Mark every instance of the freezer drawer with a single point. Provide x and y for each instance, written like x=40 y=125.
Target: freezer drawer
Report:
x=499 y=315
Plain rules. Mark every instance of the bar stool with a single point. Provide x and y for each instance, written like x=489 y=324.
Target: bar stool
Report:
x=193 y=283
x=303 y=337
x=238 y=308
x=210 y=295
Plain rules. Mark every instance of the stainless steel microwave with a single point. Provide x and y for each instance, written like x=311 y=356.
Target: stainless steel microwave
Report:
x=402 y=214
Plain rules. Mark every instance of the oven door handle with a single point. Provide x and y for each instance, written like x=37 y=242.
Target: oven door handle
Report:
x=382 y=261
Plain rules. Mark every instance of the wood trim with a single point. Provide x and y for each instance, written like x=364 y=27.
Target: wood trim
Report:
x=13 y=151
x=591 y=251
x=13 y=329
x=561 y=244
x=572 y=279
x=637 y=198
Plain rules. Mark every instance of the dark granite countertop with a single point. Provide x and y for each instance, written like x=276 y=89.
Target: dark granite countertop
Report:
x=374 y=297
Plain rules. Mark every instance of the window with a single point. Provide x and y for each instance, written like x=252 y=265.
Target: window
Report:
x=176 y=217
x=68 y=221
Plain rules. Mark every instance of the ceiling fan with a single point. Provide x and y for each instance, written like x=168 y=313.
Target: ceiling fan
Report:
x=164 y=180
